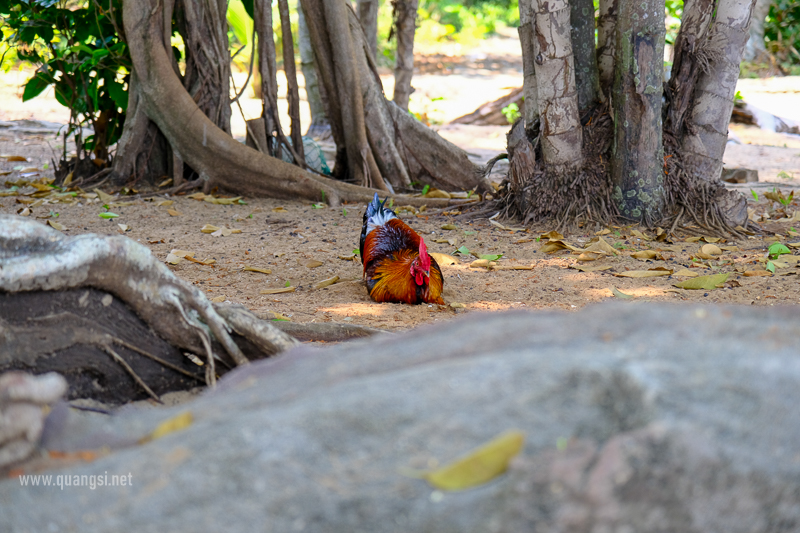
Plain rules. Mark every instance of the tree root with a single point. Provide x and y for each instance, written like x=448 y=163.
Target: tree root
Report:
x=36 y=258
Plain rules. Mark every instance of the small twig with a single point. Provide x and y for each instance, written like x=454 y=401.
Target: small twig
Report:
x=114 y=355
x=158 y=359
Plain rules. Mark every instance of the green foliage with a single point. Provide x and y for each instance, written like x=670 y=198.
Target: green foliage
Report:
x=782 y=34
x=511 y=112
x=77 y=51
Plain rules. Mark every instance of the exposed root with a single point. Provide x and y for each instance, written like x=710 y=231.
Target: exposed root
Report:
x=37 y=258
x=583 y=198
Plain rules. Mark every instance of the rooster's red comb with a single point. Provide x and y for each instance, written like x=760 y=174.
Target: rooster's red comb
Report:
x=424 y=258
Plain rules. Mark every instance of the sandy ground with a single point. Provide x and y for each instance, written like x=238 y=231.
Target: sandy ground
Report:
x=286 y=238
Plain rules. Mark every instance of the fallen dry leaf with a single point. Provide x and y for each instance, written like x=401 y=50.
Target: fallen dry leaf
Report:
x=11 y=158
x=641 y=235
x=105 y=198
x=591 y=256
x=351 y=257
x=197 y=196
x=24 y=211
x=56 y=225
x=165 y=203
x=757 y=273
x=279 y=209
x=456 y=305
x=552 y=235
x=482 y=263
x=199 y=262
x=218 y=299
x=619 y=294
x=436 y=193
x=703 y=282
x=326 y=282
x=655 y=272
x=646 y=255
x=314 y=263
x=686 y=273
x=449 y=227
x=249 y=268
x=595 y=268
x=221 y=201
x=711 y=249
x=124 y=227
x=443 y=259
x=602 y=232
x=601 y=245
x=277 y=291
x=174 y=213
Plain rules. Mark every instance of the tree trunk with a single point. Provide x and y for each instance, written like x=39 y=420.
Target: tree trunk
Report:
x=267 y=66
x=292 y=91
x=704 y=144
x=319 y=127
x=562 y=135
x=530 y=91
x=606 y=41
x=755 y=51
x=368 y=16
x=637 y=156
x=405 y=23
x=587 y=77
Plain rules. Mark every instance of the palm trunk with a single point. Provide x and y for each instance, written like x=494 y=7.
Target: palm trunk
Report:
x=586 y=74
x=704 y=144
x=637 y=157
x=606 y=42
x=530 y=106
x=562 y=136
x=319 y=120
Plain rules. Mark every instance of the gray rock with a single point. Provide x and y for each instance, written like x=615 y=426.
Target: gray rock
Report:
x=637 y=418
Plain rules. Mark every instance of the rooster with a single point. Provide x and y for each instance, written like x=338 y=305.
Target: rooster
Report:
x=397 y=266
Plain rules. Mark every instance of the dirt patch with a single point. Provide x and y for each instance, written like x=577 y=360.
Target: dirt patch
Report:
x=284 y=237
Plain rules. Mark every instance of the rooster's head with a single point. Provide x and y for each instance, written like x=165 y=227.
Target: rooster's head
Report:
x=421 y=266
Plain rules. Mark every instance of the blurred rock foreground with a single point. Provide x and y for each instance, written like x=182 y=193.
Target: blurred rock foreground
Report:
x=637 y=418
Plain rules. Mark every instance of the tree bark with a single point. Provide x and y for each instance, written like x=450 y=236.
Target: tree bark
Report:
x=606 y=42
x=587 y=78
x=319 y=127
x=755 y=51
x=208 y=65
x=368 y=16
x=267 y=66
x=218 y=158
x=637 y=157
x=704 y=145
x=562 y=136
x=292 y=91
x=405 y=22
x=530 y=91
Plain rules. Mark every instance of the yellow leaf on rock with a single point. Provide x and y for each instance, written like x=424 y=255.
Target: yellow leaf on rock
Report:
x=171 y=425
x=478 y=466
x=248 y=268
x=56 y=225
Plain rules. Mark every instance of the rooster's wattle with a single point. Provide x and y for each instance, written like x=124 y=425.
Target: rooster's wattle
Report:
x=397 y=266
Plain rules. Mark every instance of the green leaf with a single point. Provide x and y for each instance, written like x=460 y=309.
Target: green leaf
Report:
x=288 y=284
x=463 y=250
x=770 y=266
x=425 y=189
x=97 y=55
x=241 y=202
x=317 y=206
x=108 y=215
x=118 y=94
x=776 y=249
x=36 y=85
x=707 y=283
x=754 y=193
x=492 y=257
x=357 y=251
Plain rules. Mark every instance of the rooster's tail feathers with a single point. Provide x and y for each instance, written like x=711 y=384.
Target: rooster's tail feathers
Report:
x=378 y=214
